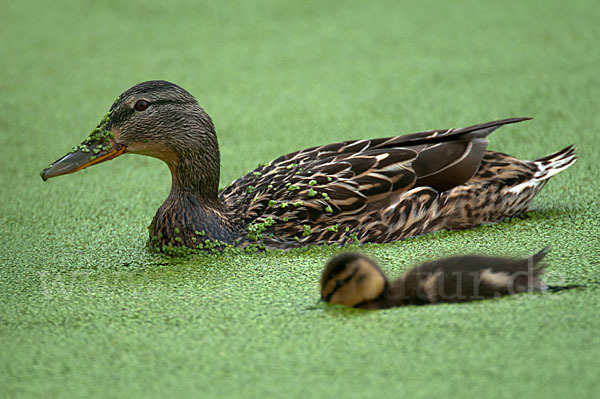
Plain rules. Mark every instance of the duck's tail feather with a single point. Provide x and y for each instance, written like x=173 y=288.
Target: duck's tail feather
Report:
x=541 y=254
x=552 y=164
x=479 y=131
x=484 y=129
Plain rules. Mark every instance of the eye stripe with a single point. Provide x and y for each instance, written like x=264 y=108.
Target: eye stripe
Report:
x=338 y=285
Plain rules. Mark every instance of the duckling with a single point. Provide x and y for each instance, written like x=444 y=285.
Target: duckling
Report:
x=354 y=280
x=379 y=190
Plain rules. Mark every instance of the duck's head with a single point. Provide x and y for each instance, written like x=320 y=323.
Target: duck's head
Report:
x=154 y=118
x=352 y=279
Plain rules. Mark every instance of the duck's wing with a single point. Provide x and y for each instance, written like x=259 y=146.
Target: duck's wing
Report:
x=448 y=158
x=343 y=178
x=331 y=180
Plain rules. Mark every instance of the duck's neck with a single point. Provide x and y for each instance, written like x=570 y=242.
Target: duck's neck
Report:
x=195 y=175
x=192 y=213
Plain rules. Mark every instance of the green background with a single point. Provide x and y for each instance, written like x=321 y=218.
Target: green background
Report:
x=87 y=311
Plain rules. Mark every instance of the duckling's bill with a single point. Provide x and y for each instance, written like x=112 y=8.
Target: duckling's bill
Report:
x=95 y=149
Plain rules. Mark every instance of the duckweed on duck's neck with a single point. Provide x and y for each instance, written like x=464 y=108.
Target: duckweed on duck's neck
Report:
x=186 y=220
x=193 y=205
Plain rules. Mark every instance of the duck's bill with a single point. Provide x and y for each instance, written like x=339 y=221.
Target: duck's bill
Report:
x=91 y=152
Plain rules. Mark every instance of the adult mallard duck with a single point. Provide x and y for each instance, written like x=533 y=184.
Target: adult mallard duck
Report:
x=378 y=190
x=352 y=279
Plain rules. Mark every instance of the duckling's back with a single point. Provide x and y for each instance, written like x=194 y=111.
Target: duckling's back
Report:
x=468 y=278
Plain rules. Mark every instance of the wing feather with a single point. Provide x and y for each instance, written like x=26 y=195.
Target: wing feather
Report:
x=338 y=181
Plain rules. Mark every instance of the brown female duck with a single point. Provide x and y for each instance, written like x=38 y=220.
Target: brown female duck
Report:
x=352 y=279
x=377 y=190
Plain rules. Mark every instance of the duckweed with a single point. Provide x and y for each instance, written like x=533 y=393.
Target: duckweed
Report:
x=306 y=230
x=246 y=314
x=255 y=229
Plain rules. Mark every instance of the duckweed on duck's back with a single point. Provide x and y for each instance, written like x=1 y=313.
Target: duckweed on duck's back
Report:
x=378 y=190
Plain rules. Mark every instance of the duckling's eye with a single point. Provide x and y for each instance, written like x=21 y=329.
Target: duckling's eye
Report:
x=141 y=105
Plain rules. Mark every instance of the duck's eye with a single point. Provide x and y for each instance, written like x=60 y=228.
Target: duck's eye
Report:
x=141 y=105
x=339 y=283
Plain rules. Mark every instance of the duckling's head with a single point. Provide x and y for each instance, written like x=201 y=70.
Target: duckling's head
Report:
x=352 y=279
x=154 y=118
